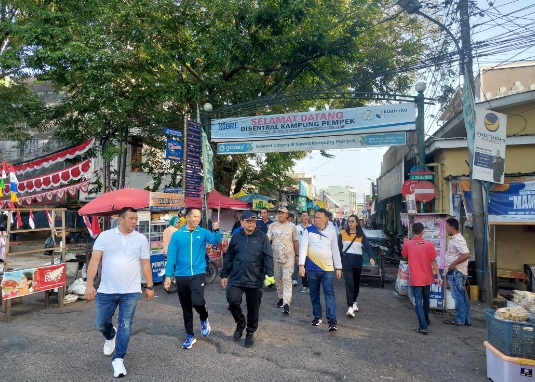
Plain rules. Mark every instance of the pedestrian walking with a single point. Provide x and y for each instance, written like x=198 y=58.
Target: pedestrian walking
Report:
x=457 y=256
x=423 y=268
x=123 y=252
x=351 y=242
x=319 y=256
x=264 y=222
x=168 y=233
x=248 y=260
x=283 y=237
x=301 y=230
x=186 y=260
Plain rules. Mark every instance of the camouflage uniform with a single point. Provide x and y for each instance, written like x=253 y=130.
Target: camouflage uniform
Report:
x=282 y=238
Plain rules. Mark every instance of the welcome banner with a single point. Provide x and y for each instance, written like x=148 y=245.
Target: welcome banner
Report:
x=360 y=120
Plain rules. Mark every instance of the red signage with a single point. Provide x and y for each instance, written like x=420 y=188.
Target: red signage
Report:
x=424 y=191
x=408 y=187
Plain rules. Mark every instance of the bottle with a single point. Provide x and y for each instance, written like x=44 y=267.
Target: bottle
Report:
x=84 y=272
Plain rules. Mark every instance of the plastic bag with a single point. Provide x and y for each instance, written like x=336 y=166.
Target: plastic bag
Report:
x=402 y=281
x=516 y=313
x=77 y=287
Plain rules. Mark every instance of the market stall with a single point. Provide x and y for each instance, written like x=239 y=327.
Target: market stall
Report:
x=23 y=275
x=155 y=209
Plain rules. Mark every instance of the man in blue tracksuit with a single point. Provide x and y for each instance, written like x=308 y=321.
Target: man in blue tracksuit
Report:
x=186 y=261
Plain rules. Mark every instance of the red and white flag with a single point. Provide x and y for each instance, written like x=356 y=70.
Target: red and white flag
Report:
x=31 y=220
x=19 y=220
x=49 y=218
x=93 y=227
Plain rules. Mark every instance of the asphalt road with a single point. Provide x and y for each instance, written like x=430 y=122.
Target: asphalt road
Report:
x=378 y=345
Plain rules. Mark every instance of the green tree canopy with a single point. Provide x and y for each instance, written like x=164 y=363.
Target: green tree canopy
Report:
x=131 y=67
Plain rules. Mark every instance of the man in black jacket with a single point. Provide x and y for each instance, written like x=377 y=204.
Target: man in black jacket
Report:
x=248 y=260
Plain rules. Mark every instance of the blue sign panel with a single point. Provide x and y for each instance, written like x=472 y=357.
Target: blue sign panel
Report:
x=385 y=139
x=173 y=190
x=173 y=132
x=174 y=150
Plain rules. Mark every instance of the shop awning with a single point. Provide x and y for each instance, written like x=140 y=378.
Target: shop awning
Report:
x=113 y=201
x=250 y=197
x=216 y=200
x=239 y=194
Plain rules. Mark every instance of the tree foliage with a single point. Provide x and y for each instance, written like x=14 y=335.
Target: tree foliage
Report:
x=132 y=67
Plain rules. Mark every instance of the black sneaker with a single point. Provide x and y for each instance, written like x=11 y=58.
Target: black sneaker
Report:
x=269 y=288
x=279 y=304
x=238 y=332
x=332 y=328
x=249 y=341
x=316 y=322
x=286 y=309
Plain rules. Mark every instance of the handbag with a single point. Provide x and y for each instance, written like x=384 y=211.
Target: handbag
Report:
x=344 y=253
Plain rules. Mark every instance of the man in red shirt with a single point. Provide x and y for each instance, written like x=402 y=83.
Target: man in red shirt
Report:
x=422 y=264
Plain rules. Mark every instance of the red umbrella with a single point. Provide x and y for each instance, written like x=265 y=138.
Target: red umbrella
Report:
x=113 y=201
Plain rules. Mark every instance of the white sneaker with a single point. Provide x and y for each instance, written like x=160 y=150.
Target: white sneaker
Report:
x=350 y=312
x=109 y=345
x=118 y=368
x=355 y=307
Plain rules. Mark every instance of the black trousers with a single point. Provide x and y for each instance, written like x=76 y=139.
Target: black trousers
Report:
x=191 y=295
x=352 y=281
x=253 y=297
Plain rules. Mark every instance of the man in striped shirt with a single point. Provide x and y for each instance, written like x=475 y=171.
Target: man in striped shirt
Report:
x=319 y=255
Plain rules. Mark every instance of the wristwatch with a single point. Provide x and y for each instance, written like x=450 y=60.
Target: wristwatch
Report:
x=150 y=287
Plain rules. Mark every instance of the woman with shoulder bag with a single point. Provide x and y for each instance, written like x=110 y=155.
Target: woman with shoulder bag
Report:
x=351 y=242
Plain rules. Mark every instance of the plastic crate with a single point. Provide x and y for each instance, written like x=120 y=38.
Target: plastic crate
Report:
x=514 y=339
x=501 y=368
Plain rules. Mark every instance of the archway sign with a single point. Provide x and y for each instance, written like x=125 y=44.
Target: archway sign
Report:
x=383 y=125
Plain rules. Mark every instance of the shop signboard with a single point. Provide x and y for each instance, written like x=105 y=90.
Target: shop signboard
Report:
x=28 y=281
x=258 y=204
x=173 y=133
x=162 y=201
x=157 y=264
x=301 y=203
x=174 y=150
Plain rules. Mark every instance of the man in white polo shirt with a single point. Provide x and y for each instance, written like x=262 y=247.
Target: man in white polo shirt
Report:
x=123 y=252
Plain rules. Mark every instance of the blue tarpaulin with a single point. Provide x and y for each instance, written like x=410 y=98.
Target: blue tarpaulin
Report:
x=250 y=197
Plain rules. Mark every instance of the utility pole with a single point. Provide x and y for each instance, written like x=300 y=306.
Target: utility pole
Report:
x=475 y=185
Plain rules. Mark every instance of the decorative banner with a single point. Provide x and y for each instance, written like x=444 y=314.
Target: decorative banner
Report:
x=161 y=201
x=54 y=179
x=49 y=160
x=510 y=203
x=29 y=281
x=369 y=119
x=71 y=189
x=489 y=146
x=313 y=143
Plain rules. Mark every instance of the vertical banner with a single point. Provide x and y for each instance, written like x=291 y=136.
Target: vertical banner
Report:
x=301 y=203
x=435 y=232
x=193 y=159
x=208 y=163
x=469 y=113
x=489 y=146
